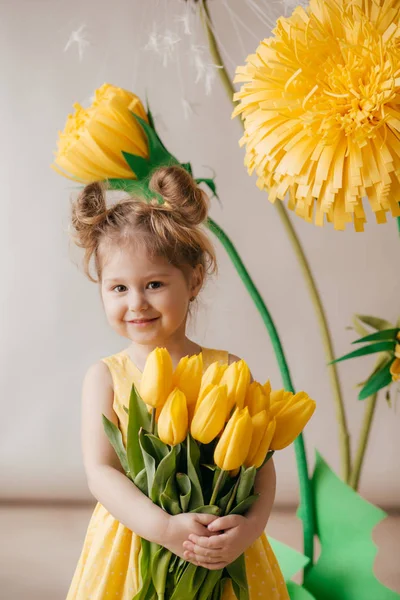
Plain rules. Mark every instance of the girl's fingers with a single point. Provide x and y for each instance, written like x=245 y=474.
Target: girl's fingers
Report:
x=214 y=541
x=214 y=566
x=208 y=563
x=208 y=553
x=227 y=522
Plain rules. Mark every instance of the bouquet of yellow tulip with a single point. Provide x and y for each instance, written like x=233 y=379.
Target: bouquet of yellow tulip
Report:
x=195 y=442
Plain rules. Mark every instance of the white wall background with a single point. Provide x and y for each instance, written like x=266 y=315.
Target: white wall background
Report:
x=52 y=325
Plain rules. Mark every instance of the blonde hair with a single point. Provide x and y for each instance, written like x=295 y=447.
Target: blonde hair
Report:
x=171 y=230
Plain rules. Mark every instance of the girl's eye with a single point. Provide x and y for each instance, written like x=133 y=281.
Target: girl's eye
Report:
x=154 y=285
x=119 y=286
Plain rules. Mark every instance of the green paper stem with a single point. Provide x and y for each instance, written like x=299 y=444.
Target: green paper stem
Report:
x=363 y=441
x=306 y=495
x=344 y=436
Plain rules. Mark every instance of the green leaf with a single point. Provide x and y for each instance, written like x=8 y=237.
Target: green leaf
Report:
x=290 y=561
x=246 y=483
x=149 y=461
x=211 y=581
x=210 y=183
x=169 y=497
x=374 y=322
x=158 y=154
x=237 y=571
x=193 y=471
x=208 y=509
x=159 y=569
x=243 y=507
x=385 y=334
x=140 y=166
x=164 y=471
x=187 y=167
x=189 y=583
x=185 y=489
x=371 y=349
x=147 y=590
x=141 y=482
x=345 y=522
x=298 y=592
x=139 y=417
x=378 y=381
x=223 y=502
x=115 y=437
x=126 y=185
x=160 y=450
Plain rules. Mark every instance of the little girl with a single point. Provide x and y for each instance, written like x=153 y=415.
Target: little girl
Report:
x=151 y=261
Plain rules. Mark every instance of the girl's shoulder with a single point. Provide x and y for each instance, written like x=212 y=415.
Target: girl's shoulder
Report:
x=211 y=355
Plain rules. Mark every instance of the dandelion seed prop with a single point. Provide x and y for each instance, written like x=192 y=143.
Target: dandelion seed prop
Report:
x=320 y=102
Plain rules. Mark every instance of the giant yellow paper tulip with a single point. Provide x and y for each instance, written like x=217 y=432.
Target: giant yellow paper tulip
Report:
x=291 y=412
x=256 y=398
x=210 y=415
x=173 y=420
x=234 y=443
x=156 y=382
x=187 y=377
x=237 y=380
x=90 y=147
x=212 y=375
x=263 y=432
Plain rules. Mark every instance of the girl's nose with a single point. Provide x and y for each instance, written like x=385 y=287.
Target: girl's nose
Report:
x=137 y=302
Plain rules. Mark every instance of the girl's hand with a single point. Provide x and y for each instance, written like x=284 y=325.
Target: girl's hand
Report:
x=179 y=527
x=218 y=551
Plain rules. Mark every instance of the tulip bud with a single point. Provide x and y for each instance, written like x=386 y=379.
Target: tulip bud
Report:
x=292 y=412
x=256 y=399
x=263 y=431
x=210 y=415
x=187 y=377
x=156 y=382
x=173 y=420
x=237 y=380
x=91 y=145
x=234 y=443
x=212 y=375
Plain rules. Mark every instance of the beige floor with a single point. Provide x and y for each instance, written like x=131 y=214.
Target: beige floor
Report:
x=41 y=544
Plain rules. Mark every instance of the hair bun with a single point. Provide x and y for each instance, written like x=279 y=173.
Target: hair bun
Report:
x=186 y=200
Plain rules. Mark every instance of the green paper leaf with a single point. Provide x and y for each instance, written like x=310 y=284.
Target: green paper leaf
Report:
x=371 y=349
x=193 y=470
x=158 y=154
x=187 y=167
x=246 y=484
x=140 y=166
x=244 y=506
x=298 y=592
x=378 y=381
x=385 y=334
x=210 y=183
x=164 y=471
x=185 y=489
x=290 y=561
x=115 y=437
x=237 y=571
x=139 y=417
x=126 y=185
x=374 y=322
x=345 y=521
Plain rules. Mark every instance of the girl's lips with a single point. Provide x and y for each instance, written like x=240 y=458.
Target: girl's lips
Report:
x=142 y=321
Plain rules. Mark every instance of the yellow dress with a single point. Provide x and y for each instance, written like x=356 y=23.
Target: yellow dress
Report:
x=108 y=567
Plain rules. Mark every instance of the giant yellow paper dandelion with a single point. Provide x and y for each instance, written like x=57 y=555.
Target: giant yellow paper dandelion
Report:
x=321 y=107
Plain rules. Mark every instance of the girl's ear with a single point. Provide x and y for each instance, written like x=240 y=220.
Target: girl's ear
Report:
x=197 y=280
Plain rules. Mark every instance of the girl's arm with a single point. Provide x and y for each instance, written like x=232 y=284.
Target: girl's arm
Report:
x=107 y=480
x=265 y=486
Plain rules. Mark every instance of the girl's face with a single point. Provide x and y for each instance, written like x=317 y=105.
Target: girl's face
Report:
x=146 y=299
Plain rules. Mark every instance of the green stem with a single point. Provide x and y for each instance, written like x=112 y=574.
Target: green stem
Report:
x=232 y=498
x=220 y=479
x=307 y=500
x=153 y=420
x=363 y=441
x=344 y=438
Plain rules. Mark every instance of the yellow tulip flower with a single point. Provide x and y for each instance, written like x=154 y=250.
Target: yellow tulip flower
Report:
x=237 y=380
x=256 y=398
x=395 y=370
x=187 y=377
x=234 y=443
x=212 y=375
x=292 y=412
x=210 y=416
x=90 y=147
x=156 y=382
x=263 y=432
x=173 y=420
